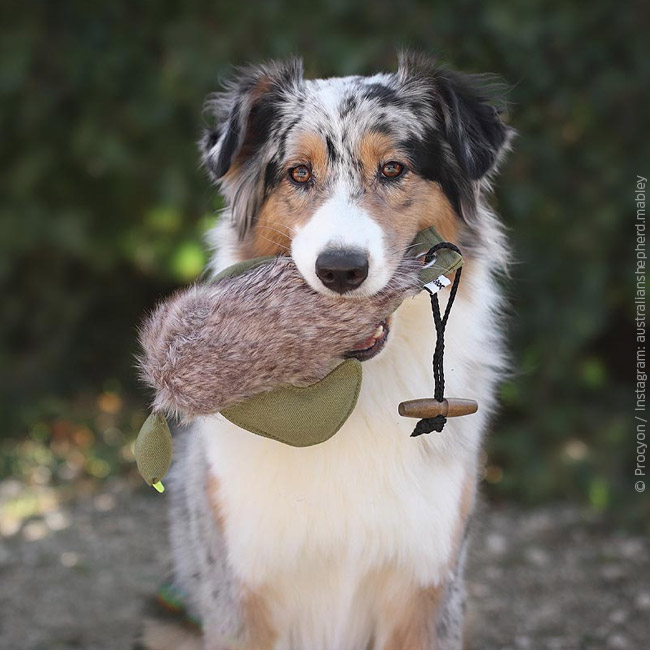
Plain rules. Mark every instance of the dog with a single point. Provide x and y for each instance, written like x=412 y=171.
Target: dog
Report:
x=358 y=543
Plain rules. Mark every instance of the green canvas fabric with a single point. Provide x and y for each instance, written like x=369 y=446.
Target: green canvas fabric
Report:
x=302 y=417
x=446 y=260
x=153 y=449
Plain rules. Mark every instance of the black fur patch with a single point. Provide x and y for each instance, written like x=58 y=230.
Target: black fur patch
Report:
x=272 y=176
x=212 y=137
x=284 y=135
x=384 y=95
x=473 y=128
x=230 y=144
x=348 y=105
x=331 y=151
x=430 y=161
x=263 y=117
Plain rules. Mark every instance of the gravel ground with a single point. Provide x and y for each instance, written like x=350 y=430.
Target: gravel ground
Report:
x=558 y=578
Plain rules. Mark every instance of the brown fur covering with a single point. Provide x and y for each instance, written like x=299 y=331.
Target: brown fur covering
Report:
x=214 y=345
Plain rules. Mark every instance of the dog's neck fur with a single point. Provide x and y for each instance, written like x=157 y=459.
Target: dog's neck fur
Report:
x=371 y=497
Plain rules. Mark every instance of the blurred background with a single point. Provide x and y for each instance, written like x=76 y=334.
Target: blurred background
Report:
x=103 y=211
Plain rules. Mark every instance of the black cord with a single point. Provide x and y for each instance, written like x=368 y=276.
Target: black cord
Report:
x=427 y=425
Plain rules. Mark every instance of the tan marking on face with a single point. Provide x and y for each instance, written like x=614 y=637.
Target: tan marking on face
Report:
x=375 y=148
x=404 y=206
x=311 y=148
x=415 y=204
x=435 y=210
x=274 y=228
x=401 y=208
x=288 y=207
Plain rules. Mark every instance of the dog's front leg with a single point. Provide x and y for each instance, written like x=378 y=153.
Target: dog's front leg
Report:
x=430 y=618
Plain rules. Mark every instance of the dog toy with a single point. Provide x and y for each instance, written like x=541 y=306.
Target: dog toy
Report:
x=262 y=348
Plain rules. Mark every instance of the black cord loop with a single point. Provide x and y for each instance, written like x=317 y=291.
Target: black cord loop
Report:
x=427 y=425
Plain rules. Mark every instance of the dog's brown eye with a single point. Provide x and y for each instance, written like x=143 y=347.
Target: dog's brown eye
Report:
x=300 y=174
x=392 y=169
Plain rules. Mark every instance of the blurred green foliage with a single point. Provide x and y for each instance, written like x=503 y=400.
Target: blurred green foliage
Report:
x=103 y=207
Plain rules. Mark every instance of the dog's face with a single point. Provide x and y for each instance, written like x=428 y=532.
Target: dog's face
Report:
x=343 y=173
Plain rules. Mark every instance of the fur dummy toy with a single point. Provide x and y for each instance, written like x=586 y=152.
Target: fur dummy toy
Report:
x=265 y=350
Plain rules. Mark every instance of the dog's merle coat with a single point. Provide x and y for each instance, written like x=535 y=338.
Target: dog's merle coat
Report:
x=359 y=543
x=443 y=118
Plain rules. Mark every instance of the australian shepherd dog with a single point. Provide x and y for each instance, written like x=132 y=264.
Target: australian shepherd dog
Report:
x=358 y=543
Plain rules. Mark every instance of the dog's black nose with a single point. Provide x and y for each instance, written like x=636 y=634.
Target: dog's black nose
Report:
x=342 y=270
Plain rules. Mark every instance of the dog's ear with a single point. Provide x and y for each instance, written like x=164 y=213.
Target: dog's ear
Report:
x=237 y=148
x=466 y=115
x=244 y=113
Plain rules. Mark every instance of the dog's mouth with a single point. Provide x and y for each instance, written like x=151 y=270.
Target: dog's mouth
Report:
x=373 y=345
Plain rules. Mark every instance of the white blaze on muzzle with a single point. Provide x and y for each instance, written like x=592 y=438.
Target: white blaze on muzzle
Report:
x=339 y=224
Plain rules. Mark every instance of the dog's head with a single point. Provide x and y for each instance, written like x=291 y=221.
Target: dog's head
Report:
x=343 y=173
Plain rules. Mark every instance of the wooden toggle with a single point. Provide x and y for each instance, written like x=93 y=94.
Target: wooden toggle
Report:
x=428 y=407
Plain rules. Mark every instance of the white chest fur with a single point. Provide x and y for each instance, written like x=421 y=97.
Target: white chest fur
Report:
x=313 y=523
